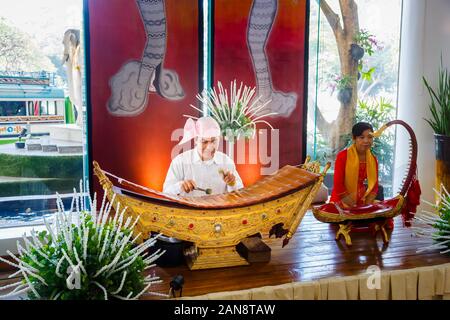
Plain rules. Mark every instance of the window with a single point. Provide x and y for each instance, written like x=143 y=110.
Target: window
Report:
x=12 y=108
x=42 y=150
x=372 y=81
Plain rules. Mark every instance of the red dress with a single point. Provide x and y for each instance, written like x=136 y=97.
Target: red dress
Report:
x=339 y=191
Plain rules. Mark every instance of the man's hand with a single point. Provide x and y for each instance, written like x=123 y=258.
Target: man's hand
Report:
x=229 y=178
x=188 y=186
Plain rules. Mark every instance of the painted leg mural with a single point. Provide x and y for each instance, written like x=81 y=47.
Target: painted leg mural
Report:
x=131 y=85
x=262 y=16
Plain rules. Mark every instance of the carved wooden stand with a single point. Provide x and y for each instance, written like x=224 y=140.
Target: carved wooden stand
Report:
x=208 y=258
x=345 y=230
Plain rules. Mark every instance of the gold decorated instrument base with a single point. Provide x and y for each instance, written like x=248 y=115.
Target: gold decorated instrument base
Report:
x=210 y=258
x=215 y=232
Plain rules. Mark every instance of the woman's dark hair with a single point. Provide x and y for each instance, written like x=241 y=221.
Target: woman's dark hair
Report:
x=359 y=128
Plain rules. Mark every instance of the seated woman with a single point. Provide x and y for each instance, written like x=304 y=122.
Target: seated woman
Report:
x=353 y=167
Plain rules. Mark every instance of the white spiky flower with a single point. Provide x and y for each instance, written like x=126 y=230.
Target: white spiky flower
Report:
x=434 y=226
x=91 y=257
x=237 y=114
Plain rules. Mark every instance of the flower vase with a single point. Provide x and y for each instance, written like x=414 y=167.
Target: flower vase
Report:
x=442 y=147
x=230 y=147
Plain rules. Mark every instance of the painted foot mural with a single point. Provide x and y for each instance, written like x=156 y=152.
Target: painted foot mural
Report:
x=135 y=79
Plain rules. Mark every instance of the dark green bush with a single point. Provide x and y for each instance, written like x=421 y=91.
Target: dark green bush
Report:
x=45 y=187
x=41 y=166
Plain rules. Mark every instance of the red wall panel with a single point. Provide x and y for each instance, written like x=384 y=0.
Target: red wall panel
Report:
x=138 y=148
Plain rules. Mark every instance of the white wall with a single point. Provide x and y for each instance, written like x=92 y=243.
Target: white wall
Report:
x=425 y=35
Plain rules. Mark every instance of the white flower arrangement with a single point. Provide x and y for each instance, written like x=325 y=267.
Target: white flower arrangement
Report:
x=238 y=114
x=435 y=226
x=85 y=254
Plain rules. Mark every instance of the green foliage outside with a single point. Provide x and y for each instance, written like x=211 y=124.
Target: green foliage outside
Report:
x=378 y=113
x=63 y=172
x=68 y=167
x=39 y=187
x=19 y=52
x=366 y=75
x=8 y=141
x=343 y=82
x=367 y=41
x=324 y=152
x=382 y=65
x=48 y=269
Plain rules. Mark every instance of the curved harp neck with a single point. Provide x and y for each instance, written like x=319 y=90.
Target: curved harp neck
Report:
x=413 y=152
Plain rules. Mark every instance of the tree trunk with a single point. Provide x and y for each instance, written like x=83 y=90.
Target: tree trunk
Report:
x=344 y=33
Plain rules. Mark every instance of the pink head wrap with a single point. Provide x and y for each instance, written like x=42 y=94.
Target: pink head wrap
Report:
x=205 y=127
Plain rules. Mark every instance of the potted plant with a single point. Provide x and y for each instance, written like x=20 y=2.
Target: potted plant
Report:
x=20 y=144
x=345 y=92
x=364 y=43
x=87 y=254
x=440 y=122
x=237 y=114
x=356 y=52
x=435 y=225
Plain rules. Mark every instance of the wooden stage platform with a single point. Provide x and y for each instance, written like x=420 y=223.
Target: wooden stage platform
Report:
x=312 y=254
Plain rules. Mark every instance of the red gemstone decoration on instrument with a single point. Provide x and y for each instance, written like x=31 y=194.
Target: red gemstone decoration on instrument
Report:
x=191 y=226
x=244 y=222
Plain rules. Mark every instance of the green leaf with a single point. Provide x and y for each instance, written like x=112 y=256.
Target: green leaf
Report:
x=440 y=102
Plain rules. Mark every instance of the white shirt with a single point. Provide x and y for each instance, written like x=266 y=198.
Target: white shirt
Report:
x=189 y=166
